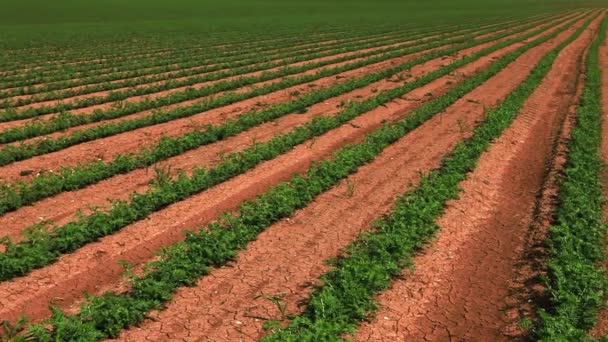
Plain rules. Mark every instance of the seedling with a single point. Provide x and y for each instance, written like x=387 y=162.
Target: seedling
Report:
x=350 y=188
x=162 y=176
x=16 y=332
x=277 y=300
x=462 y=126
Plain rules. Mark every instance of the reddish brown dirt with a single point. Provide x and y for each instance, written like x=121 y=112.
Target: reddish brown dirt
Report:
x=20 y=123
x=109 y=105
x=601 y=327
x=121 y=186
x=226 y=305
x=35 y=290
x=305 y=49
x=107 y=148
x=528 y=291
x=181 y=89
x=110 y=70
x=457 y=291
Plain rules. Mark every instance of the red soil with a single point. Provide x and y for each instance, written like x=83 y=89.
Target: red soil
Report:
x=121 y=186
x=107 y=148
x=72 y=274
x=305 y=48
x=458 y=288
x=226 y=305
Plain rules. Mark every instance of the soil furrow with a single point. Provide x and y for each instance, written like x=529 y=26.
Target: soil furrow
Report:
x=305 y=48
x=458 y=287
x=122 y=185
x=35 y=290
x=227 y=305
x=107 y=148
x=109 y=105
x=179 y=89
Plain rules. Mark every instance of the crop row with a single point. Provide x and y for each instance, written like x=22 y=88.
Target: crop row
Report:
x=118 y=51
x=27 y=58
x=47 y=246
x=283 y=57
x=132 y=107
x=195 y=63
x=204 y=55
x=151 y=47
x=11 y=153
x=380 y=254
x=181 y=264
x=576 y=282
x=186 y=60
x=16 y=113
x=182 y=61
x=71 y=178
x=187 y=46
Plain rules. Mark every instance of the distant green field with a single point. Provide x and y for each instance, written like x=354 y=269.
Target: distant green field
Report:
x=41 y=21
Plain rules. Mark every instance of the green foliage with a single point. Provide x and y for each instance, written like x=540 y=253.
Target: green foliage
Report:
x=186 y=261
x=259 y=61
x=379 y=255
x=24 y=256
x=12 y=153
x=18 y=194
x=577 y=243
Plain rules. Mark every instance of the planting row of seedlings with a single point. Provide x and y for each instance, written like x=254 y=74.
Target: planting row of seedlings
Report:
x=181 y=187
x=83 y=52
x=67 y=120
x=72 y=178
x=576 y=279
x=189 y=65
x=183 y=263
x=188 y=60
x=204 y=58
x=176 y=96
x=188 y=45
x=23 y=151
x=205 y=55
x=18 y=293
x=146 y=49
x=281 y=57
x=234 y=70
x=367 y=267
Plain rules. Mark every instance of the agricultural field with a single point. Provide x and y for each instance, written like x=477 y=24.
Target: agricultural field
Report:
x=303 y=171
